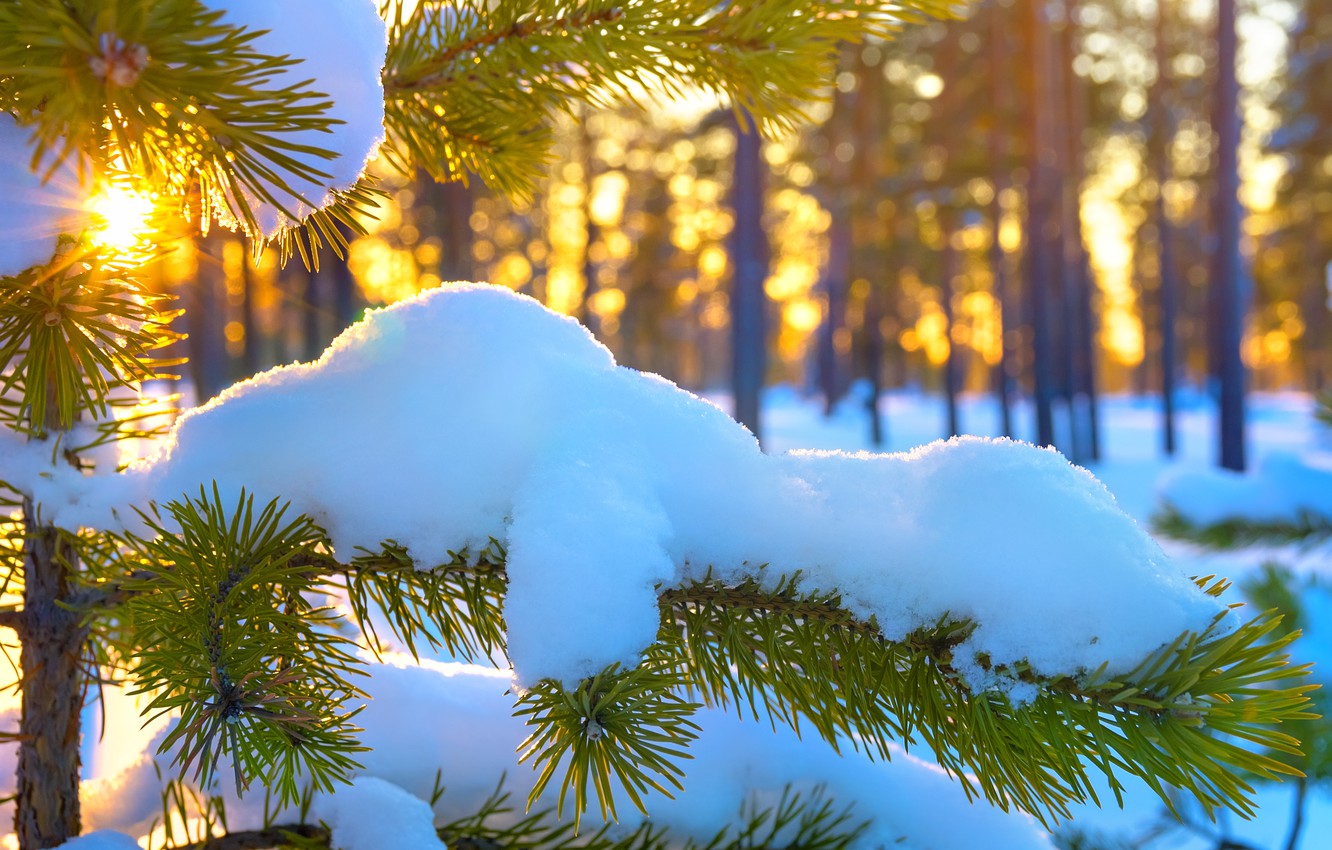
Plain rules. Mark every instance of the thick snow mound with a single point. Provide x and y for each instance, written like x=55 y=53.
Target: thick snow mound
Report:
x=1282 y=487
x=34 y=212
x=341 y=45
x=471 y=412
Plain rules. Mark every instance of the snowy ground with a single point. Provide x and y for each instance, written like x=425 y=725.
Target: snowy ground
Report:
x=1132 y=464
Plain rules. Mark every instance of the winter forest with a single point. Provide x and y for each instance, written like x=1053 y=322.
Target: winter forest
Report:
x=665 y=424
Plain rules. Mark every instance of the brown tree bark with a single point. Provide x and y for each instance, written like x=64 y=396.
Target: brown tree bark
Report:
x=46 y=812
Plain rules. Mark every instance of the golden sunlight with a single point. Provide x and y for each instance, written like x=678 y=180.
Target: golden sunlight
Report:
x=120 y=217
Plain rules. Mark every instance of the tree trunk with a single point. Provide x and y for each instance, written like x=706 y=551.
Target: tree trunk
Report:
x=749 y=259
x=1083 y=409
x=1042 y=224
x=1165 y=257
x=999 y=152
x=592 y=233
x=950 y=264
x=46 y=810
x=1226 y=281
x=205 y=305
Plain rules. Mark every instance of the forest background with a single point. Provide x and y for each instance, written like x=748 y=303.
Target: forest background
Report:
x=893 y=242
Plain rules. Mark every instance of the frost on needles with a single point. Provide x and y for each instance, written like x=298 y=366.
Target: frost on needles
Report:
x=469 y=448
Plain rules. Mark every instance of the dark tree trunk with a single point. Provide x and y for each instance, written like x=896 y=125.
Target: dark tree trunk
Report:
x=1227 y=284
x=346 y=300
x=1165 y=256
x=587 y=150
x=250 y=342
x=206 y=315
x=312 y=336
x=950 y=264
x=1001 y=103
x=749 y=258
x=1042 y=224
x=446 y=214
x=874 y=350
x=1083 y=408
x=46 y=812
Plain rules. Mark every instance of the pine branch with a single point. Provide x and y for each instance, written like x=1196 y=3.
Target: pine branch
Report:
x=806 y=821
x=786 y=656
x=74 y=332
x=1309 y=529
x=470 y=88
x=192 y=107
x=263 y=839
x=228 y=641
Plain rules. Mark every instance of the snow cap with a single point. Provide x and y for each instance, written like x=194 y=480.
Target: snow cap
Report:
x=342 y=45
x=471 y=412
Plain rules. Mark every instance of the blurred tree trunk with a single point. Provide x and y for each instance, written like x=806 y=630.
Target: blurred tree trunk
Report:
x=1042 y=222
x=1227 y=283
x=872 y=231
x=1162 y=131
x=346 y=296
x=749 y=263
x=1001 y=104
x=950 y=106
x=1318 y=332
x=312 y=336
x=205 y=305
x=249 y=324
x=1081 y=327
x=949 y=271
x=449 y=221
x=587 y=153
x=836 y=278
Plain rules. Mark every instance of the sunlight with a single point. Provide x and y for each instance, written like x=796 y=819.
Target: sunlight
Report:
x=120 y=217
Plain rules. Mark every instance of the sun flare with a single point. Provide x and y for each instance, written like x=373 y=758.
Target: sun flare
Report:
x=120 y=217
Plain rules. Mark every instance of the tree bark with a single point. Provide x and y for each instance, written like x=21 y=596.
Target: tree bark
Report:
x=1000 y=166
x=46 y=812
x=1165 y=256
x=1227 y=285
x=749 y=258
x=950 y=264
x=1042 y=223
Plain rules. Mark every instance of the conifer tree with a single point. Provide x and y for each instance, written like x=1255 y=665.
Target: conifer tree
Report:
x=250 y=115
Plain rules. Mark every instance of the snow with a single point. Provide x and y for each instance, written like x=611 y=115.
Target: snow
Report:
x=341 y=45
x=451 y=722
x=101 y=840
x=472 y=412
x=371 y=814
x=34 y=212
x=1282 y=486
x=455 y=719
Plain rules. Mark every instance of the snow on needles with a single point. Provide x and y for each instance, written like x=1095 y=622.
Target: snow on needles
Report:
x=341 y=45
x=471 y=412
